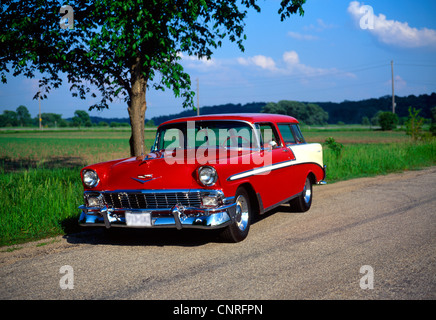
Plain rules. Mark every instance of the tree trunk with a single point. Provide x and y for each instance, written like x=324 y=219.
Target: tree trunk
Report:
x=137 y=107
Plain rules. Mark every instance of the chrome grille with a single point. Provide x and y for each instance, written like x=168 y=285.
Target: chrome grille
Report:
x=151 y=200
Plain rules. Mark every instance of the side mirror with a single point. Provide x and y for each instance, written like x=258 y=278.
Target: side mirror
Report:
x=272 y=144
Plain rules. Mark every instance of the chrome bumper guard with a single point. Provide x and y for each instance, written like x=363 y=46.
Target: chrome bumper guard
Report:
x=324 y=169
x=175 y=217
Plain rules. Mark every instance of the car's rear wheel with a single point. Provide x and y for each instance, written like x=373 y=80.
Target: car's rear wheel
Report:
x=238 y=230
x=303 y=202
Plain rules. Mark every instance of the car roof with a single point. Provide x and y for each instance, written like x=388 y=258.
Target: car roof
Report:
x=250 y=117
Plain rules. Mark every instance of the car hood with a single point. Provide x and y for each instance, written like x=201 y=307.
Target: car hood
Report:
x=164 y=170
x=154 y=171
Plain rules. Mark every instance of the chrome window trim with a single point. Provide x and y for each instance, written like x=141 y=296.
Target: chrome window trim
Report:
x=250 y=124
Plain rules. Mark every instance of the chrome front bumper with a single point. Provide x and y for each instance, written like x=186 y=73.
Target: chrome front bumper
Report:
x=178 y=217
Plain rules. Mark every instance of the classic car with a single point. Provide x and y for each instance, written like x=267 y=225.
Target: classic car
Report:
x=210 y=172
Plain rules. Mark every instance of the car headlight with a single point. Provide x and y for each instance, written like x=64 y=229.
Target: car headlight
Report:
x=90 y=178
x=207 y=175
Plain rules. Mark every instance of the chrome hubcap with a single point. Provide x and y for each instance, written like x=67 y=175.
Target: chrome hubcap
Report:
x=307 y=192
x=241 y=212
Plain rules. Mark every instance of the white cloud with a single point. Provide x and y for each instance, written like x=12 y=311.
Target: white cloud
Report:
x=202 y=64
x=260 y=61
x=320 y=26
x=324 y=25
x=399 y=83
x=391 y=32
x=300 y=36
x=291 y=58
x=290 y=65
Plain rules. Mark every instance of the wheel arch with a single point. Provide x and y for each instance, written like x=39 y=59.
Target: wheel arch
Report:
x=254 y=201
x=312 y=177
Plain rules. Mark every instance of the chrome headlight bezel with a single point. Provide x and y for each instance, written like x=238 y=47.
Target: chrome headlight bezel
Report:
x=94 y=200
x=90 y=178
x=207 y=175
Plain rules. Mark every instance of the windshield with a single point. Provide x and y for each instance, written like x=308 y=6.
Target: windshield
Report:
x=205 y=134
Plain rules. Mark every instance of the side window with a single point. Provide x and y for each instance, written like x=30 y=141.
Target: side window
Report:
x=297 y=133
x=267 y=134
x=288 y=136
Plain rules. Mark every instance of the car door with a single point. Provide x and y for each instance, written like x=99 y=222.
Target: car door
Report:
x=273 y=182
x=305 y=155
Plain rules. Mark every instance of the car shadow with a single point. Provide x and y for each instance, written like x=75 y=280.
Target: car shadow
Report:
x=151 y=237
x=282 y=208
x=144 y=237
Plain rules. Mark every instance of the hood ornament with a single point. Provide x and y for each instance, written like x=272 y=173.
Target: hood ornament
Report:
x=147 y=177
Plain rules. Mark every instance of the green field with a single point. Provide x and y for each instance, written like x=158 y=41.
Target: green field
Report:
x=40 y=185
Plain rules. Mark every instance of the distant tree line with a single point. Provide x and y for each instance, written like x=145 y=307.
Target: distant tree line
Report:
x=355 y=111
x=306 y=113
x=366 y=112
x=22 y=118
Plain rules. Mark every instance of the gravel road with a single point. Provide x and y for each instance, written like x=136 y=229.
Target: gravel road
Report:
x=369 y=238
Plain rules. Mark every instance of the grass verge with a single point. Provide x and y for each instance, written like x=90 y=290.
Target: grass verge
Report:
x=38 y=203
x=363 y=160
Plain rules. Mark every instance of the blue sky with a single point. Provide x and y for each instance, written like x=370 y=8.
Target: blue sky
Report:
x=337 y=51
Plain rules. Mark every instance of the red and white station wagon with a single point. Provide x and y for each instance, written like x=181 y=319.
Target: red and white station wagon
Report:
x=209 y=172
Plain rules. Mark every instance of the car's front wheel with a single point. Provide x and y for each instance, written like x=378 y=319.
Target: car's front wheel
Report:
x=238 y=230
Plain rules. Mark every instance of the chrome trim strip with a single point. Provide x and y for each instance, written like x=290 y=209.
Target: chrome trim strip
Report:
x=261 y=170
x=282 y=202
x=272 y=167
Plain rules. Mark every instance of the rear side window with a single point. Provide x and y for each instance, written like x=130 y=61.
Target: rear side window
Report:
x=297 y=133
x=288 y=136
x=291 y=133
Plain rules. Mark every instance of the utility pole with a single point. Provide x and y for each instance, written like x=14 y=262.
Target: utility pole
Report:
x=393 y=94
x=39 y=102
x=198 y=97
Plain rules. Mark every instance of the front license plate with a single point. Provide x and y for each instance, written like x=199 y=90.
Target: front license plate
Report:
x=142 y=219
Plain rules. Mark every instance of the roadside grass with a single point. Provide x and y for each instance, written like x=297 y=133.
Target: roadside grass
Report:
x=364 y=160
x=40 y=187
x=38 y=203
x=356 y=136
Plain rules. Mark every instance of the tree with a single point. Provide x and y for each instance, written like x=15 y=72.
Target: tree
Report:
x=8 y=119
x=150 y=123
x=81 y=118
x=120 y=47
x=310 y=113
x=50 y=119
x=387 y=120
x=433 y=121
x=23 y=116
x=414 y=124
